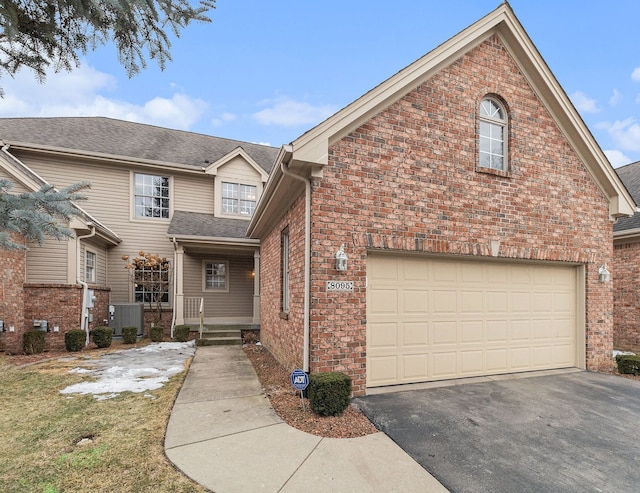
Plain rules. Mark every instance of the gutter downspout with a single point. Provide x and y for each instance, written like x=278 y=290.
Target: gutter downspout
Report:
x=307 y=259
x=175 y=284
x=85 y=287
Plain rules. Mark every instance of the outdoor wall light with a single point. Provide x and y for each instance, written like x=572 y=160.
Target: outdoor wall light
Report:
x=341 y=259
x=603 y=274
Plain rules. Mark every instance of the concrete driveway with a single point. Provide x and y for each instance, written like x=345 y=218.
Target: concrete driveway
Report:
x=570 y=432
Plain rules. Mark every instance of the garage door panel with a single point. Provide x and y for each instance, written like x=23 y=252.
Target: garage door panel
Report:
x=434 y=319
x=471 y=362
x=415 y=301
x=444 y=365
x=471 y=332
x=497 y=332
x=415 y=367
x=415 y=334
x=383 y=335
x=443 y=333
x=519 y=302
x=471 y=302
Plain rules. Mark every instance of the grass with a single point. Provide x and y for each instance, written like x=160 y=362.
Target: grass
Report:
x=42 y=431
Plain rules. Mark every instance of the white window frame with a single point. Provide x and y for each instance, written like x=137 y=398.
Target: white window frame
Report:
x=238 y=197
x=285 y=260
x=164 y=210
x=493 y=147
x=94 y=267
x=166 y=294
x=205 y=273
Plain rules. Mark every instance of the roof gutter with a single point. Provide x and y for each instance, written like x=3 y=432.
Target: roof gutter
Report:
x=284 y=166
x=84 y=316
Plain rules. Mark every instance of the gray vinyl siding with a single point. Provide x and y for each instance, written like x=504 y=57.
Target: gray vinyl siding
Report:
x=110 y=202
x=17 y=186
x=47 y=263
x=237 y=302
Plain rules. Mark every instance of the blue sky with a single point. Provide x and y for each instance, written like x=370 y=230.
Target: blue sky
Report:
x=268 y=71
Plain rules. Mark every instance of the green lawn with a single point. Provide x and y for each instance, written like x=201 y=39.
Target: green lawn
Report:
x=40 y=430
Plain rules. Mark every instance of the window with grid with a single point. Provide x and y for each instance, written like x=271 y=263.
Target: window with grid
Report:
x=238 y=199
x=151 y=196
x=151 y=284
x=492 y=135
x=215 y=275
x=90 y=266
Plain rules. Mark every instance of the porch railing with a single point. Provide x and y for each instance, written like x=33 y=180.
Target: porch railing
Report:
x=194 y=310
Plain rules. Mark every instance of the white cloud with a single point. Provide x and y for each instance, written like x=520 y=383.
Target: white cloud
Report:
x=289 y=113
x=615 y=98
x=86 y=92
x=584 y=103
x=635 y=75
x=617 y=158
x=625 y=134
x=223 y=118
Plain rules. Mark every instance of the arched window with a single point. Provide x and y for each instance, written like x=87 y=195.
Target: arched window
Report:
x=493 y=135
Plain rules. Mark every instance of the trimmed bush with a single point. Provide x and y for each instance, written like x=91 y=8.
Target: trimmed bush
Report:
x=156 y=334
x=329 y=393
x=181 y=333
x=628 y=364
x=102 y=336
x=129 y=335
x=74 y=340
x=33 y=341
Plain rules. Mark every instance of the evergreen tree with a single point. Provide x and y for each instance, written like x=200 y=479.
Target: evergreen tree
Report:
x=35 y=215
x=40 y=33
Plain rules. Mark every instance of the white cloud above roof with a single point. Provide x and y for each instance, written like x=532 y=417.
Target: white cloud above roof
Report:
x=635 y=75
x=87 y=92
x=617 y=158
x=288 y=112
x=624 y=133
x=584 y=103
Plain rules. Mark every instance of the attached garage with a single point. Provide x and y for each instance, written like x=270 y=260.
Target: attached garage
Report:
x=437 y=318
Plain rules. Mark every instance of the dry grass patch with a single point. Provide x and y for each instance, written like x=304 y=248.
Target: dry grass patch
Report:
x=75 y=443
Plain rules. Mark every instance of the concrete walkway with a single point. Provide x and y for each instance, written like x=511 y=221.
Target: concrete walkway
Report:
x=224 y=434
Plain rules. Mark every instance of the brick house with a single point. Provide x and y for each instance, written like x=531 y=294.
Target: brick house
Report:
x=475 y=210
x=625 y=269
x=184 y=196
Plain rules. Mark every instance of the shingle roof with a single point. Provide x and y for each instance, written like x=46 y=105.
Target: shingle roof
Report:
x=134 y=140
x=630 y=176
x=206 y=225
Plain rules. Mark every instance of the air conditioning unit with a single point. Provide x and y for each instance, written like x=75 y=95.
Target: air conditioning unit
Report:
x=126 y=315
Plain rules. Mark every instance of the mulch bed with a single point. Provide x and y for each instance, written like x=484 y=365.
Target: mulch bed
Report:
x=286 y=401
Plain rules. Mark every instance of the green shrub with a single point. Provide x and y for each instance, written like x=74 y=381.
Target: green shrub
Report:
x=74 y=340
x=33 y=341
x=102 y=336
x=628 y=364
x=329 y=393
x=181 y=333
x=129 y=335
x=156 y=333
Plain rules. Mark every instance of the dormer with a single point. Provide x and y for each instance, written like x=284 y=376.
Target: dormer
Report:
x=238 y=184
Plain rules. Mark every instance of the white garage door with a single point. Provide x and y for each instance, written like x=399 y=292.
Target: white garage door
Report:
x=435 y=319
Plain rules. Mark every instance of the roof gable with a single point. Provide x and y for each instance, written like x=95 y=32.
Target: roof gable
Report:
x=213 y=168
x=311 y=149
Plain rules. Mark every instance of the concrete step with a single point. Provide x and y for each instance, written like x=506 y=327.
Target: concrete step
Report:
x=220 y=341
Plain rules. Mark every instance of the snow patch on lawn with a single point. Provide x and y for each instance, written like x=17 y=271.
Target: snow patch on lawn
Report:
x=133 y=370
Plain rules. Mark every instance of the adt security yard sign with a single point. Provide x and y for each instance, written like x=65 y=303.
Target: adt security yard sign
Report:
x=299 y=379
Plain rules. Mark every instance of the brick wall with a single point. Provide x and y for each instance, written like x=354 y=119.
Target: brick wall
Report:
x=407 y=181
x=283 y=336
x=12 y=273
x=625 y=274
